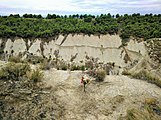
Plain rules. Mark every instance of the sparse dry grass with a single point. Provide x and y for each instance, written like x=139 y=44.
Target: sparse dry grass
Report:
x=26 y=100
x=99 y=75
x=36 y=76
x=20 y=71
x=150 y=101
x=150 y=110
x=125 y=72
x=15 y=59
x=35 y=59
x=45 y=65
x=14 y=71
x=145 y=75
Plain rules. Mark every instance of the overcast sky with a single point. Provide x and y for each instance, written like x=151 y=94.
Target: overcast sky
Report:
x=79 y=6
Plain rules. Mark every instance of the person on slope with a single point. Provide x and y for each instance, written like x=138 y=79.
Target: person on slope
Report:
x=85 y=80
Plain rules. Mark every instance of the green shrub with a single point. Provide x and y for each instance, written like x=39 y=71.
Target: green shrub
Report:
x=14 y=71
x=74 y=67
x=82 y=68
x=64 y=67
x=36 y=76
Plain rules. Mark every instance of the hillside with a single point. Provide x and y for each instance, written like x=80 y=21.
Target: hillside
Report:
x=26 y=94
x=60 y=96
x=42 y=62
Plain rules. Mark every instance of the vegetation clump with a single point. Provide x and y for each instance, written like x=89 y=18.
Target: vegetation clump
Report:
x=20 y=71
x=45 y=65
x=35 y=59
x=16 y=59
x=145 y=75
x=75 y=67
x=14 y=71
x=22 y=94
x=99 y=75
x=125 y=72
x=64 y=67
x=150 y=110
x=35 y=26
x=36 y=76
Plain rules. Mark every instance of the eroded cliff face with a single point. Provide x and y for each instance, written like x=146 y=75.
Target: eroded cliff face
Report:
x=60 y=95
x=107 y=48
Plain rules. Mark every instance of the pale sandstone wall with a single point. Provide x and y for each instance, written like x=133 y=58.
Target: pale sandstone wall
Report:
x=18 y=46
x=133 y=45
x=8 y=46
x=95 y=41
x=104 y=47
x=35 y=48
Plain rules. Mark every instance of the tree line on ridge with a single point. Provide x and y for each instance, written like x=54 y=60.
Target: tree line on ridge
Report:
x=36 y=26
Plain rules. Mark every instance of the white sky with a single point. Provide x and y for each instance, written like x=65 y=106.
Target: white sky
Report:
x=79 y=6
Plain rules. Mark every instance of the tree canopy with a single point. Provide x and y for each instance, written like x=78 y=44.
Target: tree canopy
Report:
x=135 y=25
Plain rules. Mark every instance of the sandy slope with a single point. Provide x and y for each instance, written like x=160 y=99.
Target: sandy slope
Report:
x=102 y=101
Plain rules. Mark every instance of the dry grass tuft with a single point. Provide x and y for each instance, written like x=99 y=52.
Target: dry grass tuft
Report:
x=15 y=59
x=36 y=76
x=150 y=110
x=145 y=75
x=99 y=75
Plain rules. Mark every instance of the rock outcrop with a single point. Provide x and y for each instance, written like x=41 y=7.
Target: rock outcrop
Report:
x=107 y=48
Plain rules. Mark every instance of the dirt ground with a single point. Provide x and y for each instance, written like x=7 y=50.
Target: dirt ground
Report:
x=106 y=100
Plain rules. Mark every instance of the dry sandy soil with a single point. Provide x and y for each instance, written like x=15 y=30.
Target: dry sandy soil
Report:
x=106 y=100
